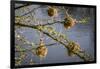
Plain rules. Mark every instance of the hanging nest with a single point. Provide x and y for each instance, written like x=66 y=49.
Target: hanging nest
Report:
x=52 y=11
x=69 y=22
x=73 y=47
x=41 y=50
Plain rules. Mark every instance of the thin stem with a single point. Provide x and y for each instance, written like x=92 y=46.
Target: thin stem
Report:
x=24 y=50
x=31 y=11
x=25 y=5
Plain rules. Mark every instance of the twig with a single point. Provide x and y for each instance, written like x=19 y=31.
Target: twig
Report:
x=66 y=11
x=22 y=38
x=31 y=11
x=25 y=5
x=24 y=50
x=61 y=22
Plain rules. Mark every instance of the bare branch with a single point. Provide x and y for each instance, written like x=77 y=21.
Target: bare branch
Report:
x=31 y=11
x=25 y=5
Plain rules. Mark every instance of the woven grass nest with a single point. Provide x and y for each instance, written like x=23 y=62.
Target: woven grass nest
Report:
x=41 y=50
x=69 y=22
x=52 y=11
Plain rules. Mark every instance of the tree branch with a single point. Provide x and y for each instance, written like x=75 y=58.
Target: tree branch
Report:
x=25 y=41
x=31 y=11
x=81 y=55
x=25 y=5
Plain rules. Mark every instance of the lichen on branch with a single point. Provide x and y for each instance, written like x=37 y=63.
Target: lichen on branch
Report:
x=64 y=41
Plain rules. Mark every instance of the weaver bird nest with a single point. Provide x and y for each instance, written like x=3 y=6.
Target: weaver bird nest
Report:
x=73 y=48
x=52 y=11
x=69 y=22
x=41 y=50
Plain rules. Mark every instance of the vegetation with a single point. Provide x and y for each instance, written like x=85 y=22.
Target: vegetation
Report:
x=41 y=49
